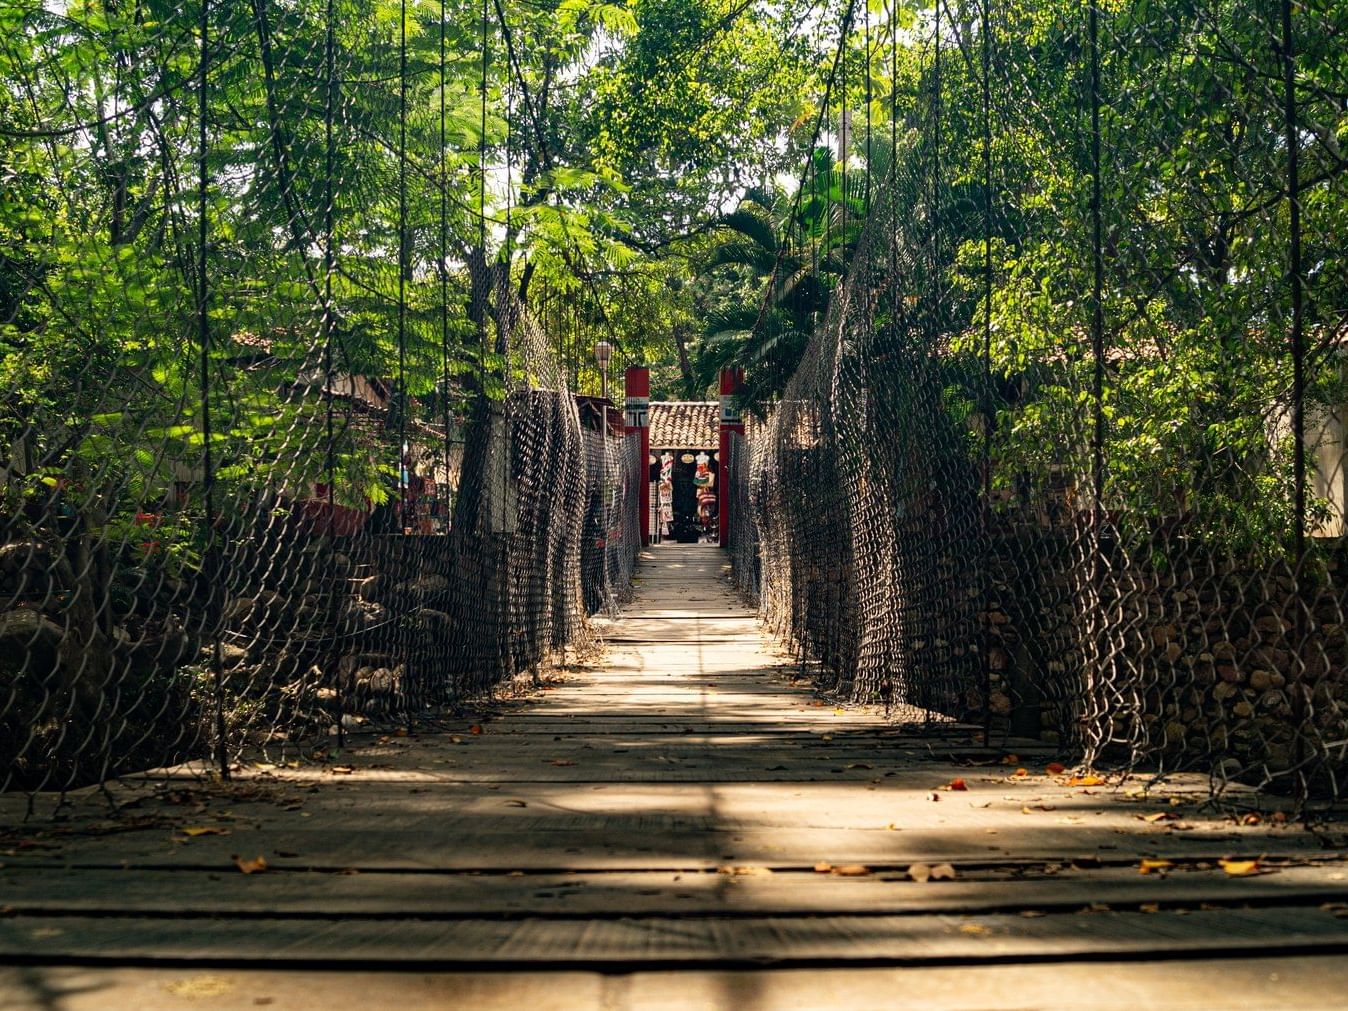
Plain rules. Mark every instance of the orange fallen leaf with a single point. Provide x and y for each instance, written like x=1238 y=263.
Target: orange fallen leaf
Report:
x=1150 y=866
x=1160 y=816
x=958 y=784
x=1240 y=868
x=823 y=867
x=1150 y=907
x=196 y=830
x=1021 y=772
x=1055 y=768
x=973 y=928
x=476 y=728
x=1086 y=781
x=254 y=866
x=1010 y=759
x=852 y=871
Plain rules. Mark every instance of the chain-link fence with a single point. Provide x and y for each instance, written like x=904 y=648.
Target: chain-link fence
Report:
x=1065 y=453
x=284 y=450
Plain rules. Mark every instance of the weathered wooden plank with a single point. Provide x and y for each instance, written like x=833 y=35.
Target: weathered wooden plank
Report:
x=315 y=894
x=632 y=942
x=1194 y=984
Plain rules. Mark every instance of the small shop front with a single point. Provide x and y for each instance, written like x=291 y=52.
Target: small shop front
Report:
x=684 y=468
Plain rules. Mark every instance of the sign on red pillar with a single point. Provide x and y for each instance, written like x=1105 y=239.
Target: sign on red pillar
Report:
x=731 y=421
x=636 y=409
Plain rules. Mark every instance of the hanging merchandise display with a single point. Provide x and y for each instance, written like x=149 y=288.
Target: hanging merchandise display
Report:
x=666 y=493
x=705 y=483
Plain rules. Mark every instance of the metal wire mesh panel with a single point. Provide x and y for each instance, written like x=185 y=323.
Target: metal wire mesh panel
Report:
x=744 y=542
x=612 y=518
x=284 y=452
x=1065 y=453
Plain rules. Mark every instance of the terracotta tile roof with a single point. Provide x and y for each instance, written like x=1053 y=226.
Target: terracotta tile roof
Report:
x=685 y=424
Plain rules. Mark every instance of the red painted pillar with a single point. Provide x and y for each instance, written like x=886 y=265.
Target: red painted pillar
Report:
x=636 y=408
x=731 y=378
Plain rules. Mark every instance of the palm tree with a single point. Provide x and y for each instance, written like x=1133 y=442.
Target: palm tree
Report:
x=771 y=275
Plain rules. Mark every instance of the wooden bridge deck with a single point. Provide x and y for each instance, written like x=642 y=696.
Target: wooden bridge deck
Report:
x=678 y=825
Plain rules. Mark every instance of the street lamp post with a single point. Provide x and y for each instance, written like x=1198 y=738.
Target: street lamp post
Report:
x=603 y=351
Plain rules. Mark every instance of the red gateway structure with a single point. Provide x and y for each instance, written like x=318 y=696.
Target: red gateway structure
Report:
x=731 y=421
x=636 y=409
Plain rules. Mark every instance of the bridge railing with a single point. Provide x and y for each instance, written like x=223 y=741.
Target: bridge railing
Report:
x=283 y=453
x=1065 y=455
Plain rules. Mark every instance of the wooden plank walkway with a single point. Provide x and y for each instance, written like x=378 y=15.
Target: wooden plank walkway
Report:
x=678 y=817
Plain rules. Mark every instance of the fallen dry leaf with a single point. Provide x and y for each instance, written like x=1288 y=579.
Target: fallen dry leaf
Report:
x=973 y=928
x=860 y=765
x=823 y=867
x=1020 y=773
x=943 y=872
x=958 y=784
x=751 y=871
x=255 y=866
x=1055 y=768
x=561 y=761
x=1086 y=781
x=1150 y=907
x=920 y=873
x=196 y=830
x=1160 y=816
x=852 y=871
x=199 y=986
x=476 y=728
x=1010 y=759
x=342 y=770
x=1151 y=866
x=1240 y=868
